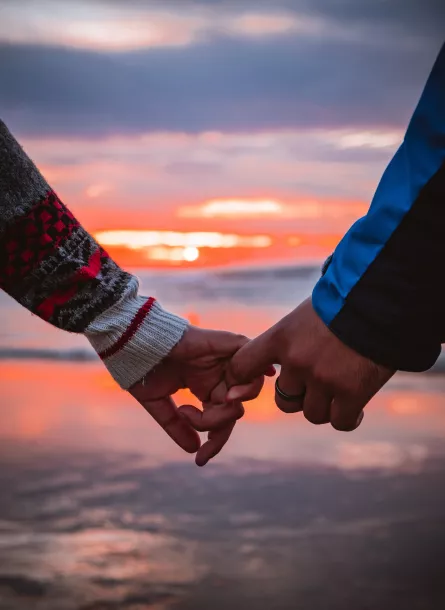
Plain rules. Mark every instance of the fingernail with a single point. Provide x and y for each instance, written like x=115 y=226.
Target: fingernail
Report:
x=232 y=395
x=360 y=418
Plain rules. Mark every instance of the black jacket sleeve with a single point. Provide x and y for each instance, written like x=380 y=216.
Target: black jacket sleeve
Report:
x=383 y=291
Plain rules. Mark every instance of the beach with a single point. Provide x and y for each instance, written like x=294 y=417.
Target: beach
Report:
x=99 y=511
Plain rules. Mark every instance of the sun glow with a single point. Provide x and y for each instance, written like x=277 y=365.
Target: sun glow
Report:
x=172 y=255
x=189 y=242
x=176 y=247
x=190 y=254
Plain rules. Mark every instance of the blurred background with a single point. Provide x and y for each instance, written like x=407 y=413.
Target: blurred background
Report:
x=220 y=150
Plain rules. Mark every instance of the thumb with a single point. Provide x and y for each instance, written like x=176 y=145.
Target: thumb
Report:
x=251 y=360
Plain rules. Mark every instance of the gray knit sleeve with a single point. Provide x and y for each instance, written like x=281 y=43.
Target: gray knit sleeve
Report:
x=52 y=266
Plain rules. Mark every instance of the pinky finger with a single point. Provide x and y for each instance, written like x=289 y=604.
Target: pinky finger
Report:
x=216 y=441
x=213 y=417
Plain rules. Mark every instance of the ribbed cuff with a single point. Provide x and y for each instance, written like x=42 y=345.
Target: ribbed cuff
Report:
x=134 y=335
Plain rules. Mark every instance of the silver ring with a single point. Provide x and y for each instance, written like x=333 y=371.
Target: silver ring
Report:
x=287 y=397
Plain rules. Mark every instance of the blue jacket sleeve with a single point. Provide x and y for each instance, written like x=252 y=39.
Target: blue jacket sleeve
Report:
x=383 y=291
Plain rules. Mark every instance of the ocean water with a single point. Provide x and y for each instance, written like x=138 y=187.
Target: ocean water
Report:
x=99 y=511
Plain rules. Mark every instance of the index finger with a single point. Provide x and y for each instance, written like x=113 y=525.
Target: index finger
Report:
x=254 y=359
x=164 y=412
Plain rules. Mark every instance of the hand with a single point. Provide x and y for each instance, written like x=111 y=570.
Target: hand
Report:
x=330 y=382
x=199 y=363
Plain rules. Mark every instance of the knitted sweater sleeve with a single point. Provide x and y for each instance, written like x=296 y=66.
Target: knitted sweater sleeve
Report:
x=54 y=268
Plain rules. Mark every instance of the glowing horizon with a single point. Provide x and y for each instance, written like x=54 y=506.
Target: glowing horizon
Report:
x=176 y=247
x=138 y=240
x=147 y=248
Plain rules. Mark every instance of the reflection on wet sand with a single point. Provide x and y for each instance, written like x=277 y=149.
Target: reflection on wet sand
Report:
x=93 y=531
x=78 y=406
x=99 y=511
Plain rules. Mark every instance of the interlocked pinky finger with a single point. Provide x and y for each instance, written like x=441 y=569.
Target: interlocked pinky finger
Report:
x=216 y=441
x=212 y=417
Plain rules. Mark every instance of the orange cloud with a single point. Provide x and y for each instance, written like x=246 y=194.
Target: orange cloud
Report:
x=257 y=24
x=270 y=208
x=230 y=208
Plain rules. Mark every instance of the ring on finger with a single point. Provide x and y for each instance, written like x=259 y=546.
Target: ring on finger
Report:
x=287 y=397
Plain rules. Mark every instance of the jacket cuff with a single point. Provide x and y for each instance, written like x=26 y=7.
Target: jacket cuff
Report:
x=408 y=352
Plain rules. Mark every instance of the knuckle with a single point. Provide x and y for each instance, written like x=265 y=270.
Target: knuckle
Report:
x=240 y=412
x=296 y=359
x=324 y=379
x=288 y=407
x=347 y=387
x=324 y=376
x=315 y=418
x=242 y=339
x=344 y=425
x=168 y=422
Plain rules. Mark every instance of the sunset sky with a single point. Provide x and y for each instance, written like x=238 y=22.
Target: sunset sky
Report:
x=221 y=131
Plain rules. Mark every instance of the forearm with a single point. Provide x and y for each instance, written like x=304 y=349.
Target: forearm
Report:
x=383 y=292
x=54 y=268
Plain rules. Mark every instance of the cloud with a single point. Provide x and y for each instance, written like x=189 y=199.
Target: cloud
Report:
x=416 y=17
x=272 y=209
x=225 y=85
x=213 y=65
x=189 y=169
x=124 y=27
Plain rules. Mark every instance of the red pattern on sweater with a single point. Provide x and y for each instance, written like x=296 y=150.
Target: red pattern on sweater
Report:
x=33 y=238
x=60 y=297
